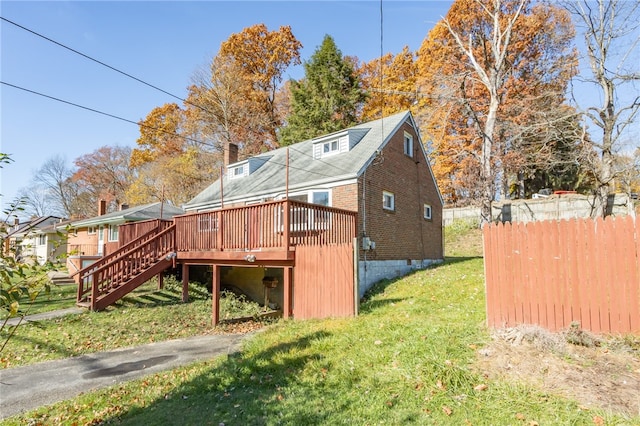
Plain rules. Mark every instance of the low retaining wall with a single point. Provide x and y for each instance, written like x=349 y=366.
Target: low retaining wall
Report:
x=556 y=207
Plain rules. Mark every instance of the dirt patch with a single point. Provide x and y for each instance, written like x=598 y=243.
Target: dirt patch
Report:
x=595 y=371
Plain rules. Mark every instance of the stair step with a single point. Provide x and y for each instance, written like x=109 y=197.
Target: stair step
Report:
x=83 y=304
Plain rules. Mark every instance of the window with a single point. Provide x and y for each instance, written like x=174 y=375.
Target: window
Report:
x=319 y=197
x=237 y=172
x=91 y=230
x=388 y=201
x=408 y=144
x=330 y=147
x=42 y=239
x=427 y=211
x=113 y=232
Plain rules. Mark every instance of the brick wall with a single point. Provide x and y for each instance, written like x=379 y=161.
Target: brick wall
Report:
x=402 y=233
x=345 y=197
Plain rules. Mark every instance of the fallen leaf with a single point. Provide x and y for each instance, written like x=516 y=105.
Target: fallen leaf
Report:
x=448 y=411
x=597 y=420
x=520 y=416
x=481 y=387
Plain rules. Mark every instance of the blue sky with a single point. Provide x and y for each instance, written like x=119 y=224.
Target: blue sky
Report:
x=162 y=43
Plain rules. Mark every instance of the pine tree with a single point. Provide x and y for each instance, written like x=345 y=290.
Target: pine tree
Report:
x=327 y=99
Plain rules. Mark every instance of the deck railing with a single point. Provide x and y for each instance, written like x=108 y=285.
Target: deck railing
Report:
x=273 y=225
x=120 y=255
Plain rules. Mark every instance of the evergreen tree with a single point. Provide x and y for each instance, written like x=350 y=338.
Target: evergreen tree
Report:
x=327 y=99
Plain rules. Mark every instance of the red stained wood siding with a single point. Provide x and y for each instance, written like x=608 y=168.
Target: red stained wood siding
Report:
x=323 y=281
x=555 y=273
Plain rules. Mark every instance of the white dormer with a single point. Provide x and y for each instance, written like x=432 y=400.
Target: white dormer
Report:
x=245 y=168
x=337 y=143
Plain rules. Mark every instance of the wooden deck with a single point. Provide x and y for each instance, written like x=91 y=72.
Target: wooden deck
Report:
x=266 y=234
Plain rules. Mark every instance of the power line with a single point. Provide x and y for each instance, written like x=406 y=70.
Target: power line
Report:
x=103 y=64
x=90 y=58
x=146 y=126
x=99 y=112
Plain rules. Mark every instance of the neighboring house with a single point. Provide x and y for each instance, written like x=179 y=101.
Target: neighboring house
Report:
x=89 y=239
x=306 y=229
x=39 y=239
x=378 y=169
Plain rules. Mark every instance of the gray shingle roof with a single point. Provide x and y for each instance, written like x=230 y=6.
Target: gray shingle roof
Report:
x=133 y=214
x=304 y=171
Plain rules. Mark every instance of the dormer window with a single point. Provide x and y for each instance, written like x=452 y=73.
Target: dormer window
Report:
x=246 y=167
x=326 y=147
x=330 y=148
x=237 y=172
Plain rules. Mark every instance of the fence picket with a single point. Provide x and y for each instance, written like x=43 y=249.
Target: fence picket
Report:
x=556 y=272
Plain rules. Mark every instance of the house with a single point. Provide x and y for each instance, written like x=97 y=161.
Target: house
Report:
x=90 y=239
x=306 y=228
x=379 y=170
x=39 y=239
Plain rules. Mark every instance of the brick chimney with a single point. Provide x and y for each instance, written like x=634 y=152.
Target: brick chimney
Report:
x=230 y=154
x=102 y=207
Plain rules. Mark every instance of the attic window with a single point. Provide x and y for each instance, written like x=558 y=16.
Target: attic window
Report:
x=408 y=144
x=238 y=172
x=330 y=147
x=326 y=148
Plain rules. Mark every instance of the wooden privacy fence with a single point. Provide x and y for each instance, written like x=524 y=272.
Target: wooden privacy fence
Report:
x=554 y=273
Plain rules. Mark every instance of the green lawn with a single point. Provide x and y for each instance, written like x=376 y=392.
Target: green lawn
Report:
x=408 y=358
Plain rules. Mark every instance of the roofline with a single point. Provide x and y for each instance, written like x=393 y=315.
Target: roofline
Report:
x=343 y=179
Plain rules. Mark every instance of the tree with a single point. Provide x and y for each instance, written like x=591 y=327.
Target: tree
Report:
x=170 y=164
x=486 y=70
x=52 y=181
x=327 y=99
x=391 y=85
x=260 y=57
x=20 y=283
x=607 y=26
x=103 y=174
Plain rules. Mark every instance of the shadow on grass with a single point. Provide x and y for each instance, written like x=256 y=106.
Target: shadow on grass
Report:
x=247 y=389
x=450 y=260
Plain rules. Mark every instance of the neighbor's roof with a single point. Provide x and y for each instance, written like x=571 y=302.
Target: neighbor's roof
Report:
x=133 y=214
x=32 y=225
x=304 y=171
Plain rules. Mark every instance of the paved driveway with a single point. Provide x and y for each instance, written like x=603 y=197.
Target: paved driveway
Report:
x=26 y=388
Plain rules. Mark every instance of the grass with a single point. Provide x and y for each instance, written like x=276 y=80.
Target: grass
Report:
x=146 y=315
x=408 y=358
x=60 y=296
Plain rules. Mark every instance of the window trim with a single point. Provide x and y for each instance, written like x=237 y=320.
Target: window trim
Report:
x=111 y=232
x=42 y=239
x=91 y=230
x=407 y=144
x=391 y=206
x=427 y=207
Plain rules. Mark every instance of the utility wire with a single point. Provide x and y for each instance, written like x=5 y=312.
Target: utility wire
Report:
x=103 y=64
x=148 y=127
x=99 y=112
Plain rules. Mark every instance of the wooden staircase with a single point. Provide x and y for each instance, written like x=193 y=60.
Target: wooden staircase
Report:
x=117 y=274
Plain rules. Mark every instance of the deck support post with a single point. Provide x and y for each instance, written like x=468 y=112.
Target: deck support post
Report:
x=160 y=280
x=185 y=283
x=286 y=309
x=215 y=295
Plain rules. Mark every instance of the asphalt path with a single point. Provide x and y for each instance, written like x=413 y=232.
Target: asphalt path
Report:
x=29 y=387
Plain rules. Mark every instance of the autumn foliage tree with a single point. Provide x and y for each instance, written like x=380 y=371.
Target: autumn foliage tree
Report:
x=170 y=165
x=104 y=174
x=486 y=70
x=390 y=83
